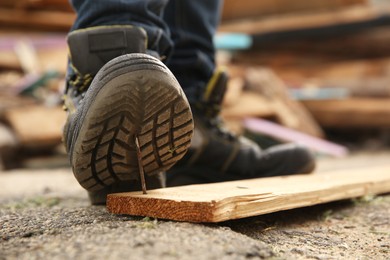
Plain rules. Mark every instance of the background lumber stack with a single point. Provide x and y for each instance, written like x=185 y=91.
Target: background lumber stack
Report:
x=351 y=113
x=310 y=66
x=37 y=14
x=333 y=56
x=251 y=8
x=36 y=126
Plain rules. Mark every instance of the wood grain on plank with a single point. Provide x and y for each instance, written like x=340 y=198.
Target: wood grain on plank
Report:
x=239 y=199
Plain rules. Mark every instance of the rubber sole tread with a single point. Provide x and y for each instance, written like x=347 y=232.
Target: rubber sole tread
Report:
x=141 y=103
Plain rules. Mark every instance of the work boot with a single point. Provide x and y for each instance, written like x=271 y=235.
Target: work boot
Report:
x=117 y=92
x=218 y=155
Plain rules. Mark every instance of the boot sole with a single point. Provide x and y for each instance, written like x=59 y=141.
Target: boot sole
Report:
x=132 y=95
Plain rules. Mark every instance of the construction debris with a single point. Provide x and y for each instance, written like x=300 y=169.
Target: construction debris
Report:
x=37 y=14
x=309 y=68
x=36 y=126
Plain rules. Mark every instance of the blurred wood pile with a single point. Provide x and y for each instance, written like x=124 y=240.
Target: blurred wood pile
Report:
x=37 y=14
x=310 y=66
x=333 y=57
x=32 y=70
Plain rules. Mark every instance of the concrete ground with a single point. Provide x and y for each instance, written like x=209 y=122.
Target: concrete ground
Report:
x=44 y=214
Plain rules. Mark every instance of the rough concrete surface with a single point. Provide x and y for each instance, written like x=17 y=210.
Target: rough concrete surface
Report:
x=44 y=214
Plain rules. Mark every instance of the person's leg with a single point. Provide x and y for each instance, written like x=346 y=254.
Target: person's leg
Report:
x=118 y=95
x=143 y=13
x=216 y=154
x=193 y=25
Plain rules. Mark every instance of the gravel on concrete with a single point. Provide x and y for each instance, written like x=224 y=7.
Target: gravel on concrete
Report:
x=44 y=214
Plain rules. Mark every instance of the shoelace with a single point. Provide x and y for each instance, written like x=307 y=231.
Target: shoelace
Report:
x=213 y=120
x=80 y=82
x=76 y=87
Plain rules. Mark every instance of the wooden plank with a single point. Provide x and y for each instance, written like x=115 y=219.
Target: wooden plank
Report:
x=249 y=104
x=234 y=9
x=305 y=21
x=289 y=113
x=239 y=199
x=57 y=20
x=14 y=102
x=351 y=74
x=351 y=113
x=38 y=4
x=36 y=126
x=312 y=47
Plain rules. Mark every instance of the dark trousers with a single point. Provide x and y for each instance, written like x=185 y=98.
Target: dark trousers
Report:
x=181 y=30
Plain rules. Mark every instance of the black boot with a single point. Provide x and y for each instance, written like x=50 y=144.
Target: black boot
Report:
x=115 y=93
x=217 y=155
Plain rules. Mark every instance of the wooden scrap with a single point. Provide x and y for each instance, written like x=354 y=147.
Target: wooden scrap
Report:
x=360 y=78
x=9 y=61
x=351 y=113
x=238 y=103
x=8 y=102
x=289 y=113
x=249 y=104
x=307 y=20
x=54 y=20
x=28 y=57
x=239 y=199
x=283 y=134
x=246 y=104
x=233 y=9
x=234 y=90
x=316 y=47
x=36 y=126
x=38 y=4
x=357 y=77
